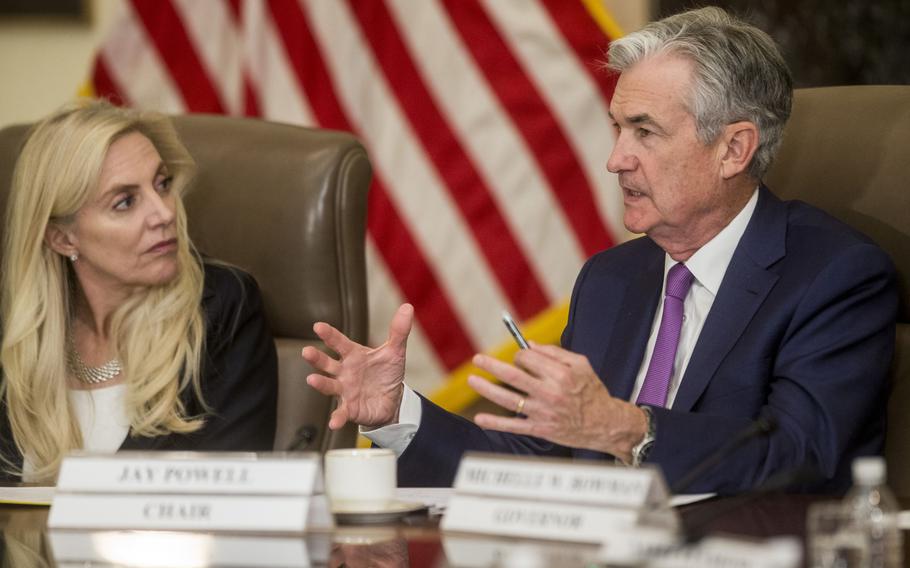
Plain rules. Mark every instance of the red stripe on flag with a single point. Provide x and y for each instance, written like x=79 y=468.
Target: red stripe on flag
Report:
x=398 y=247
x=250 y=99
x=236 y=10
x=404 y=258
x=530 y=113
x=104 y=84
x=587 y=40
x=167 y=32
x=468 y=190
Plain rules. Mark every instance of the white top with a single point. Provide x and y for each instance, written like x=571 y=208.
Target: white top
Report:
x=102 y=417
x=101 y=413
x=708 y=265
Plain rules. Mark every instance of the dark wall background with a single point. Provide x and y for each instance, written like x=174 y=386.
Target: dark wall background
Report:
x=829 y=42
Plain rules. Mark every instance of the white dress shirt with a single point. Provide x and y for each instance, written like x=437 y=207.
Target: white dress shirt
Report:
x=708 y=265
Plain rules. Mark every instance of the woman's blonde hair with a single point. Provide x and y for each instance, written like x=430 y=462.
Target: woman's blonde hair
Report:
x=157 y=334
x=25 y=548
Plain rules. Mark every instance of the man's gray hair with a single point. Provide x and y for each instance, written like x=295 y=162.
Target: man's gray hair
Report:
x=739 y=73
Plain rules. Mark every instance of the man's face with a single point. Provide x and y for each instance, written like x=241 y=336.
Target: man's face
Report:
x=671 y=182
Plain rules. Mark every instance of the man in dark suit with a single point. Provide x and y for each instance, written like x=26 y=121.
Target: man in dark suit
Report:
x=734 y=307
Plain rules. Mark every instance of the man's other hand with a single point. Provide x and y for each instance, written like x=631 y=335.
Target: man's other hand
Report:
x=368 y=382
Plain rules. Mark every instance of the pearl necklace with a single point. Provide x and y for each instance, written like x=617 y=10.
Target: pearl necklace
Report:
x=86 y=374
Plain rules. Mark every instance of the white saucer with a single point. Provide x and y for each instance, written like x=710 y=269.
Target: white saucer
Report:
x=391 y=512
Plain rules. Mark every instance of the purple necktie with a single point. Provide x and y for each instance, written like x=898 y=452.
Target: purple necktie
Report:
x=657 y=381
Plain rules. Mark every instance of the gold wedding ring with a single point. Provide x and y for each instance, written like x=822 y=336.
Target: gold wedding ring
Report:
x=520 y=406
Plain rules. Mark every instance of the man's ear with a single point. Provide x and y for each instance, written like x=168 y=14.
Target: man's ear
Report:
x=740 y=143
x=60 y=239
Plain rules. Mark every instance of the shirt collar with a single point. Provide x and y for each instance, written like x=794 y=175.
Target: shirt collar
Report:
x=709 y=263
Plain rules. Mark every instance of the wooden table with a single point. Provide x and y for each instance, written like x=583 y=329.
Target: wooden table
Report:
x=418 y=542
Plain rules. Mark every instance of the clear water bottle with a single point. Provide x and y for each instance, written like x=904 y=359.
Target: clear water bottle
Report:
x=874 y=510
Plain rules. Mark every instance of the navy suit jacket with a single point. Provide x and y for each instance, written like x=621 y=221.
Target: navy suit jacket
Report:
x=801 y=330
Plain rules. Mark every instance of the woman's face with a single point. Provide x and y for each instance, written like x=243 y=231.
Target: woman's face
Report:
x=126 y=234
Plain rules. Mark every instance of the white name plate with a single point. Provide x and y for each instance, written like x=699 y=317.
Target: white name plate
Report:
x=662 y=549
x=226 y=473
x=168 y=549
x=482 y=552
x=544 y=520
x=257 y=513
x=561 y=479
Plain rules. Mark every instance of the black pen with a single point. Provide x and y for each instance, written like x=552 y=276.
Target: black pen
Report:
x=522 y=344
x=513 y=329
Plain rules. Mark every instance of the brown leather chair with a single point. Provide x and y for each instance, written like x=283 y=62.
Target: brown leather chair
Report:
x=288 y=204
x=847 y=150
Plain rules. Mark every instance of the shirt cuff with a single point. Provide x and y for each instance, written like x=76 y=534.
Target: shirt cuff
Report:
x=396 y=437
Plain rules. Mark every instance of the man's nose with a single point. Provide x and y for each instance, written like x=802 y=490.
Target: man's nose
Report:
x=621 y=160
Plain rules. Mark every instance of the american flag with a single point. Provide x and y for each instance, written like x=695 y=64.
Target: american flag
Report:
x=485 y=120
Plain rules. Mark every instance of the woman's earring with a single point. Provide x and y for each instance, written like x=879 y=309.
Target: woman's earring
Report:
x=74 y=257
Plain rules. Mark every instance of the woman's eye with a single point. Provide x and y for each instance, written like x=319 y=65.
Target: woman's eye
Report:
x=124 y=203
x=164 y=184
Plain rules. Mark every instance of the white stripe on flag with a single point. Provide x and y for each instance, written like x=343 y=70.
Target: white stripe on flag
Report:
x=414 y=185
x=215 y=37
x=135 y=67
x=496 y=148
x=568 y=90
x=277 y=90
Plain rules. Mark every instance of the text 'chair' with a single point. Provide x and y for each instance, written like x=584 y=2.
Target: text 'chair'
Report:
x=847 y=151
x=288 y=204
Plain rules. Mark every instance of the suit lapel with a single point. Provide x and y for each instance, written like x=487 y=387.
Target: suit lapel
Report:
x=744 y=288
x=626 y=347
x=624 y=350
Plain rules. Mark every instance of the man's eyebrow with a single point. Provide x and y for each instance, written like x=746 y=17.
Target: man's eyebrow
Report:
x=640 y=119
x=643 y=118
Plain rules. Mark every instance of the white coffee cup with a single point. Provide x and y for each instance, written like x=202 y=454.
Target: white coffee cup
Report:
x=360 y=480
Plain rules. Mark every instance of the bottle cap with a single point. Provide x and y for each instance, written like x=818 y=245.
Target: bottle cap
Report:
x=869 y=470
x=785 y=550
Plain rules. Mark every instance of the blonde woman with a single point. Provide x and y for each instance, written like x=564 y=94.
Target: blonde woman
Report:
x=116 y=334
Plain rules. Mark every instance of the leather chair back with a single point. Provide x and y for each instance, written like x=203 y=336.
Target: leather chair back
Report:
x=847 y=151
x=288 y=204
